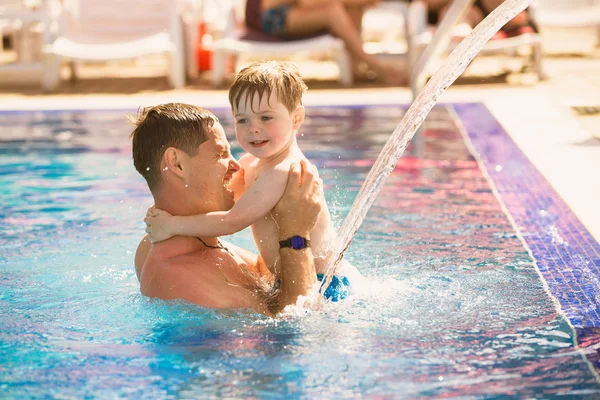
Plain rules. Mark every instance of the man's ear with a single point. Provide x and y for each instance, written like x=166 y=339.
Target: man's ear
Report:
x=298 y=117
x=172 y=161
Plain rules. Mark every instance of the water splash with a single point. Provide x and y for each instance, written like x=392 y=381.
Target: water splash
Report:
x=450 y=70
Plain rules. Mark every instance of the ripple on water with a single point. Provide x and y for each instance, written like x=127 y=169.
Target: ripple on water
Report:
x=451 y=305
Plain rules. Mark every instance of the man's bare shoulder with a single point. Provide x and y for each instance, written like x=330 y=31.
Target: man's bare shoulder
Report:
x=141 y=255
x=250 y=259
x=209 y=278
x=189 y=277
x=149 y=256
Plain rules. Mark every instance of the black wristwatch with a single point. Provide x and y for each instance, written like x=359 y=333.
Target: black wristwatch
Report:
x=295 y=242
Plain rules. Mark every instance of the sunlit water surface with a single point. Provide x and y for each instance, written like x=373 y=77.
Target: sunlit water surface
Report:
x=453 y=306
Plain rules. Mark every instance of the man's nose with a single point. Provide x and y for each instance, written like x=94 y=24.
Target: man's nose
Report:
x=234 y=165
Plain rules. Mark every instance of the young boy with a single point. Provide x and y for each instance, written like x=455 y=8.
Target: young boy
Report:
x=266 y=101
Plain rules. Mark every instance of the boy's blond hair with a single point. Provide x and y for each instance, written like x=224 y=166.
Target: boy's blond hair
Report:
x=264 y=77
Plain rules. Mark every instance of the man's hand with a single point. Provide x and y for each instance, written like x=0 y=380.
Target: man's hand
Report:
x=297 y=211
x=157 y=225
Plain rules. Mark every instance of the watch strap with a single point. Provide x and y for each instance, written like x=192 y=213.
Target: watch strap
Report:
x=295 y=242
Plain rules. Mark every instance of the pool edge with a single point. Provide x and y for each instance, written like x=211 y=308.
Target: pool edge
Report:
x=543 y=220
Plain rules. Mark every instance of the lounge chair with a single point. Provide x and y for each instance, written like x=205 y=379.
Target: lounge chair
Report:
x=425 y=48
x=235 y=42
x=27 y=24
x=561 y=19
x=107 y=30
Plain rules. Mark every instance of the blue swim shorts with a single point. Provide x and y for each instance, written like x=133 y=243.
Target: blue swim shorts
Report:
x=338 y=289
x=273 y=19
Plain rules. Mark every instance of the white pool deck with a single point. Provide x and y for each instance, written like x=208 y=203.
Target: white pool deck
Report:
x=537 y=116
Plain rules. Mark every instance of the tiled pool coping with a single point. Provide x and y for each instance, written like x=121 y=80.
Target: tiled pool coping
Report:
x=566 y=254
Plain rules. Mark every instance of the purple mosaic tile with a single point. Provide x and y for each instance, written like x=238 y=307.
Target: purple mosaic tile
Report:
x=566 y=254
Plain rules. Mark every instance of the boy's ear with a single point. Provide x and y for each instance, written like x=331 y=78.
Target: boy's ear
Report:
x=298 y=117
x=172 y=162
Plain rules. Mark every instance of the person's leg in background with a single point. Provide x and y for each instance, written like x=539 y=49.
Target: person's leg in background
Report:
x=519 y=25
x=359 y=69
x=335 y=18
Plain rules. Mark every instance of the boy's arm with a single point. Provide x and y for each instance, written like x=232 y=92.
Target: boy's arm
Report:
x=253 y=205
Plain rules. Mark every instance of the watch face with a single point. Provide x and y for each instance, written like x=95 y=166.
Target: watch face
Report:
x=297 y=242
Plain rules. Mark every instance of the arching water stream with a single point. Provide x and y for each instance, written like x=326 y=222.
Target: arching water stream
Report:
x=450 y=70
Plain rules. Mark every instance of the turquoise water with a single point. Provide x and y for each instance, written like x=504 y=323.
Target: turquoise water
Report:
x=454 y=306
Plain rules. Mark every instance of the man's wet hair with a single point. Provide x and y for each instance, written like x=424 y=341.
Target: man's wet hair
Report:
x=178 y=125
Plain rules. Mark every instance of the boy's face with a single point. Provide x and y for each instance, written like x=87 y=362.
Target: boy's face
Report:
x=266 y=128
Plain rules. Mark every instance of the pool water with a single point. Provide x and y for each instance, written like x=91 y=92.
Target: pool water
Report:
x=454 y=305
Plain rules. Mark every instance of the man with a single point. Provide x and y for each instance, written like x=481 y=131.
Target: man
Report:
x=182 y=152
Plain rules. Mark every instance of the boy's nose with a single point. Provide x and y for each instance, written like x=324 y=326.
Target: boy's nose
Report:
x=254 y=128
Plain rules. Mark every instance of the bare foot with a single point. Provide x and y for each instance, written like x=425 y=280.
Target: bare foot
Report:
x=362 y=73
x=365 y=76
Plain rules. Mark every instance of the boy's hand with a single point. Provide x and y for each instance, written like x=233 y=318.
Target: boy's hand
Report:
x=157 y=225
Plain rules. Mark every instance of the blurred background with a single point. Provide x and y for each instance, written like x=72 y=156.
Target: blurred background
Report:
x=129 y=46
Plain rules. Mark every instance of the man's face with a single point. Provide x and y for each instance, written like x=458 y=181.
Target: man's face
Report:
x=211 y=171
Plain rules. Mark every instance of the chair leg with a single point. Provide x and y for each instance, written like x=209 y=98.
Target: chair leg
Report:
x=233 y=61
x=416 y=26
x=219 y=64
x=537 y=61
x=51 y=73
x=345 y=65
x=75 y=67
x=177 y=70
x=190 y=37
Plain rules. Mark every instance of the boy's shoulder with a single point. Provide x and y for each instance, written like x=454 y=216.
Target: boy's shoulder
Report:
x=275 y=169
x=284 y=164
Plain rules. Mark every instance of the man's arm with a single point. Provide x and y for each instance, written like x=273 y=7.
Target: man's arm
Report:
x=296 y=214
